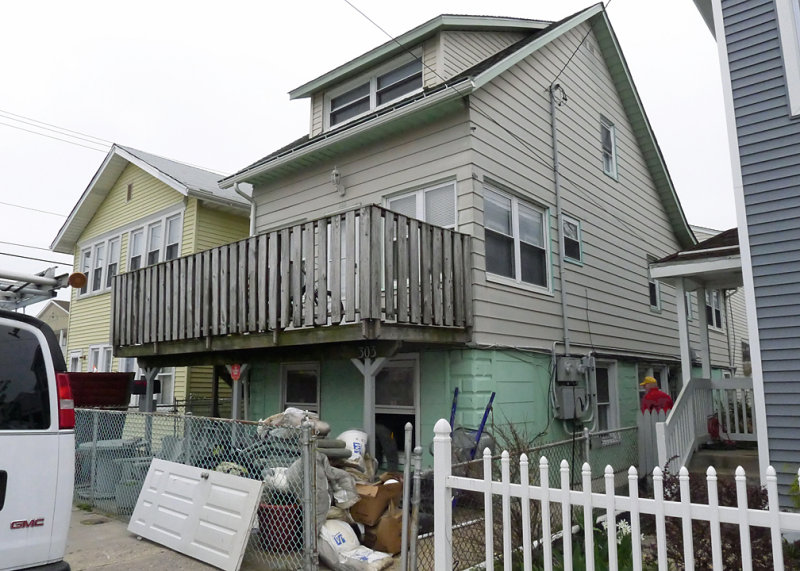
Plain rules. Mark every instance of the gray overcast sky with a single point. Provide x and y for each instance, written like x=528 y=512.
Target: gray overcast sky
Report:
x=206 y=83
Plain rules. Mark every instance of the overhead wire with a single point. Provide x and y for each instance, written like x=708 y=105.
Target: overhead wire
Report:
x=33 y=209
x=27 y=246
x=53 y=137
x=35 y=259
x=533 y=152
x=51 y=127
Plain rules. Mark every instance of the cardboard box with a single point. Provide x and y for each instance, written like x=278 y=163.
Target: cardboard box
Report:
x=375 y=498
x=387 y=536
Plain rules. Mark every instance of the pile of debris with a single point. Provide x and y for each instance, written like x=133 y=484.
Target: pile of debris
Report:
x=359 y=523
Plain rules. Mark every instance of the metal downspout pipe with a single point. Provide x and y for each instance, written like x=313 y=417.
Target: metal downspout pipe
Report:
x=559 y=213
x=252 y=202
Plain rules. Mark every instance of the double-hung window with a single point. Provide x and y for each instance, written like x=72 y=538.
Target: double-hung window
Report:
x=173 y=238
x=157 y=242
x=714 y=308
x=608 y=142
x=100 y=359
x=100 y=263
x=434 y=205
x=654 y=287
x=383 y=85
x=572 y=240
x=154 y=241
x=136 y=247
x=516 y=239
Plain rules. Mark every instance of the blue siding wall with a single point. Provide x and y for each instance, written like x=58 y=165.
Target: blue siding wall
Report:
x=769 y=149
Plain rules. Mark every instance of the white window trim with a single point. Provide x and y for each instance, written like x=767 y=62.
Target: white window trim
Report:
x=606 y=123
x=517 y=281
x=577 y=223
x=651 y=280
x=715 y=293
x=145 y=229
x=613 y=403
x=101 y=350
x=372 y=78
x=166 y=397
x=77 y=354
x=419 y=195
x=91 y=247
x=405 y=360
x=788 y=13
x=300 y=366
x=690 y=313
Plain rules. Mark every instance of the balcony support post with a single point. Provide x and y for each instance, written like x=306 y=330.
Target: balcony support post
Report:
x=369 y=368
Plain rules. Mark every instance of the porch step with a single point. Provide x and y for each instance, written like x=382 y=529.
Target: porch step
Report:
x=725 y=462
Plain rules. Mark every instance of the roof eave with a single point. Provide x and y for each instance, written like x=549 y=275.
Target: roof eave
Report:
x=687 y=268
x=292 y=155
x=410 y=39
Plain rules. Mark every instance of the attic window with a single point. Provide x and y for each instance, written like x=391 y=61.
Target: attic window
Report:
x=383 y=85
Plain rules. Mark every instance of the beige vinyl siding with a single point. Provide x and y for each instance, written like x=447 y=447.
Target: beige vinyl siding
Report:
x=189 y=236
x=214 y=228
x=462 y=49
x=317 y=113
x=150 y=195
x=432 y=72
x=439 y=151
x=622 y=221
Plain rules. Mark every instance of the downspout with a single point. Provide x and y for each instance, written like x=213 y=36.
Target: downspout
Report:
x=252 y=202
x=559 y=213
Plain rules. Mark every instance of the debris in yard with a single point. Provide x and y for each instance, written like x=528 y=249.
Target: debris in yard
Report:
x=375 y=498
x=340 y=550
x=293 y=418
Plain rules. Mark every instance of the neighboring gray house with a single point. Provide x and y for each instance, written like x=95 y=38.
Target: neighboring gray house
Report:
x=465 y=212
x=56 y=314
x=760 y=62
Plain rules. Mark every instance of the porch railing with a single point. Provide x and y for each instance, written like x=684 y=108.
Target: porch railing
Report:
x=363 y=264
x=730 y=401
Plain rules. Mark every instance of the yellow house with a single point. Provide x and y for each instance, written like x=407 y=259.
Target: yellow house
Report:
x=139 y=210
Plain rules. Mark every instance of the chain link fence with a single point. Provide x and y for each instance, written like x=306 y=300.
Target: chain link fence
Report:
x=617 y=448
x=114 y=450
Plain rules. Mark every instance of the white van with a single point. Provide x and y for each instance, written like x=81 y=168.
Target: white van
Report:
x=37 y=446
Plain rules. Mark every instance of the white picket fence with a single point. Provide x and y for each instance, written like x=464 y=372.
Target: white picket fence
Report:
x=445 y=483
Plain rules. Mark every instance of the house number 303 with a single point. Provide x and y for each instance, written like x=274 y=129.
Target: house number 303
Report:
x=367 y=352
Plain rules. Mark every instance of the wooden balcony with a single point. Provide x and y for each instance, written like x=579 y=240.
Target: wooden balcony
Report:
x=366 y=273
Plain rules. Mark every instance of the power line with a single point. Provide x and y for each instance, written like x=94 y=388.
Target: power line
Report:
x=27 y=246
x=35 y=259
x=586 y=35
x=33 y=209
x=52 y=137
x=50 y=127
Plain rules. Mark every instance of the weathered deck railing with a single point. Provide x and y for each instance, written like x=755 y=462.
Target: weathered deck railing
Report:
x=687 y=423
x=362 y=264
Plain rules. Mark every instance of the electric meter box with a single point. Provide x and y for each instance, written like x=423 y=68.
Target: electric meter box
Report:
x=570 y=370
x=572 y=402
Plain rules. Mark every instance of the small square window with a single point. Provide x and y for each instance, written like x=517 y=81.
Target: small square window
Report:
x=608 y=143
x=300 y=386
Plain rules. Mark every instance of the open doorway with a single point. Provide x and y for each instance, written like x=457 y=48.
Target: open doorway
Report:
x=396 y=403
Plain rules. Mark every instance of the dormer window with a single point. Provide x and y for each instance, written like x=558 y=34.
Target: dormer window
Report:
x=383 y=85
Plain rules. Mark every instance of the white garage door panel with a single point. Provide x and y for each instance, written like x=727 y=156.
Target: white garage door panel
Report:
x=208 y=518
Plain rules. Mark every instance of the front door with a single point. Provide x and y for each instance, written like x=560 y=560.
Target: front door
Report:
x=396 y=403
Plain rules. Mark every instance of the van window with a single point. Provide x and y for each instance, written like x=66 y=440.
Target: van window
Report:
x=24 y=397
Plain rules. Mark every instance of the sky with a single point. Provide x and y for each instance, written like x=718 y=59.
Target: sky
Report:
x=206 y=83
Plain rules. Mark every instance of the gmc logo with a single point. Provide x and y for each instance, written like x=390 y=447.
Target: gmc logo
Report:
x=22 y=524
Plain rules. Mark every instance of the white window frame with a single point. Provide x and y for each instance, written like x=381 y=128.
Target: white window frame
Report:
x=132 y=253
x=690 y=314
x=75 y=359
x=788 y=14
x=577 y=223
x=99 y=356
x=300 y=366
x=404 y=361
x=371 y=78
x=166 y=377
x=516 y=280
x=607 y=125
x=163 y=222
x=612 y=404
x=420 y=205
x=107 y=245
x=713 y=295
x=653 y=283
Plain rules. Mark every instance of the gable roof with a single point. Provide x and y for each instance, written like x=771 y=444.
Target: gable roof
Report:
x=186 y=179
x=63 y=305
x=432 y=102
x=716 y=262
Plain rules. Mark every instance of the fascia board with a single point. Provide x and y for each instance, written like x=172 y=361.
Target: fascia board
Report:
x=513 y=59
x=438 y=97
x=695 y=267
x=409 y=40
x=58 y=244
x=207 y=196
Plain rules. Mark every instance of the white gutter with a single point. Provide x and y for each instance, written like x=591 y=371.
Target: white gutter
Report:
x=445 y=94
x=252 y=202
